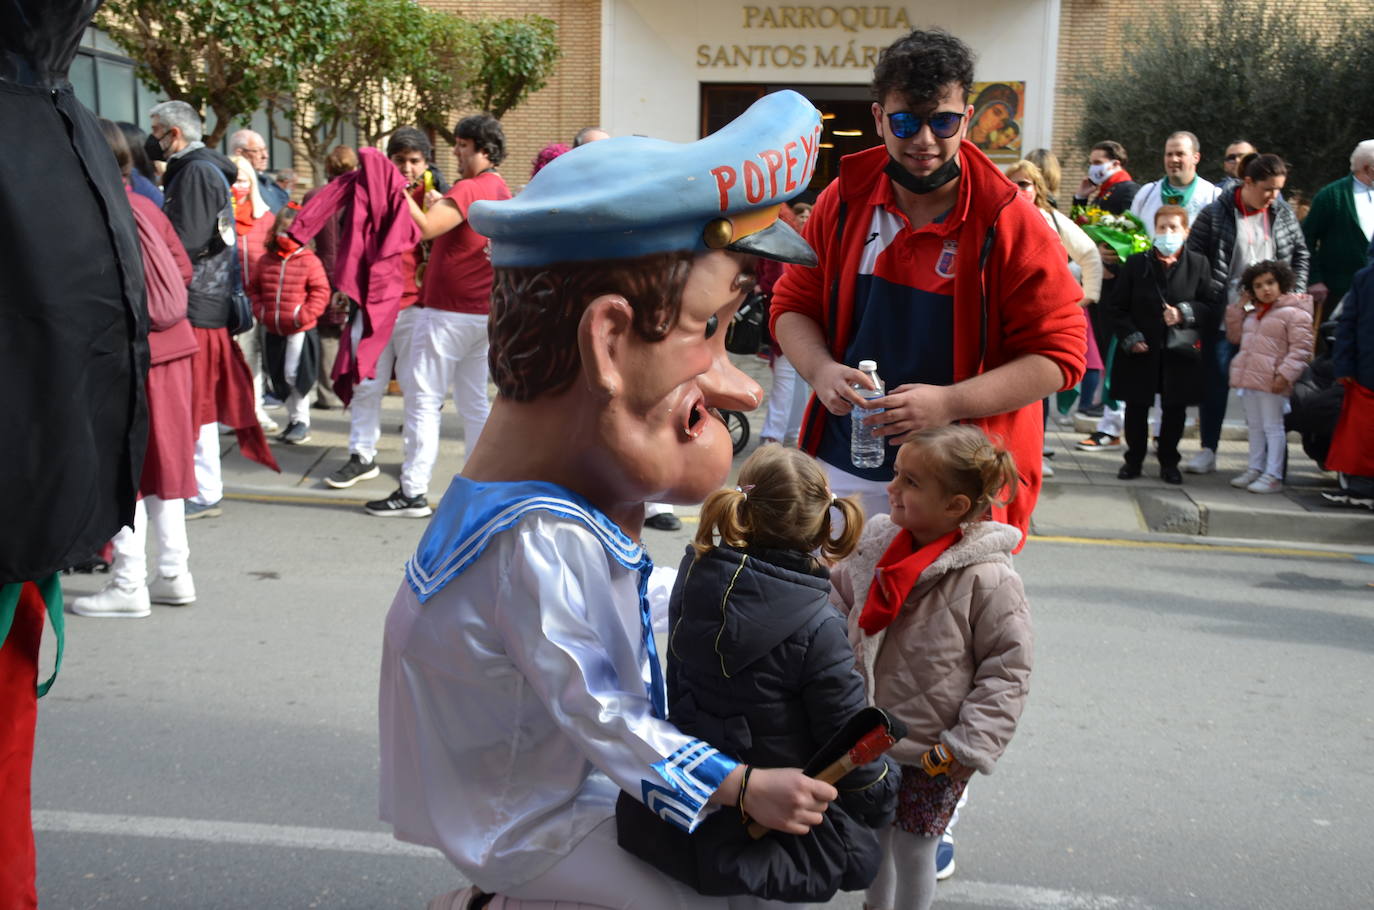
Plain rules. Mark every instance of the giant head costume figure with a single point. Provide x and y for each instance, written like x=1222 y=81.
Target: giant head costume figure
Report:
x=618 y=269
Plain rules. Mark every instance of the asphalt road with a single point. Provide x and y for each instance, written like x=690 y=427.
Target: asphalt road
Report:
x=1199 y=734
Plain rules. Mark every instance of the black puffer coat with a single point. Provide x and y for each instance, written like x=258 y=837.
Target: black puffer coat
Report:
x=1213 y=235
x=1137 y=306
x=73 y=346
x=759 y=665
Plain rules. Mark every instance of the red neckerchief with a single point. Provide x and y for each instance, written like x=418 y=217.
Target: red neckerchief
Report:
x=1120 y=176
x=243 y=213
x=1261 y=310
x=898 y=570
x=1246 y=211
x=286 y=245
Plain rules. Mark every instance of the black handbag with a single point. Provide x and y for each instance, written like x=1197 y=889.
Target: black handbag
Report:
x=1183 y=344
x=1180 y=343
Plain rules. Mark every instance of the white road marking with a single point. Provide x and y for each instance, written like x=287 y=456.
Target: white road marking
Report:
x=1028 y=897
x=220 y=832
x=978 y=894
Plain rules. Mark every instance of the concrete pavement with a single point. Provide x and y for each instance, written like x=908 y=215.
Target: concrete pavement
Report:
x=1083 y=499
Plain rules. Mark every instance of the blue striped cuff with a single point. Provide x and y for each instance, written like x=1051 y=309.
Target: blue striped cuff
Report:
x=693 y=773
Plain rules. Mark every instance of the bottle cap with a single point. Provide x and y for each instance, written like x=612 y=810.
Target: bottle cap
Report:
x=868 y=366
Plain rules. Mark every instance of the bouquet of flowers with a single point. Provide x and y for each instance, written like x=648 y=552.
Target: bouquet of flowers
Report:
x=1124 y=233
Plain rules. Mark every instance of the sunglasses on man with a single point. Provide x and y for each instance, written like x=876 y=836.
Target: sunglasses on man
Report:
x=906 y=124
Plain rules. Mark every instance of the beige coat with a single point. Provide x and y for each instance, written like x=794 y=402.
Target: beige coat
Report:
x=1280 y=344
x=955 y=664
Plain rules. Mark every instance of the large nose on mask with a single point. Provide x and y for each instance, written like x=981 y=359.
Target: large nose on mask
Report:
x=726 y=386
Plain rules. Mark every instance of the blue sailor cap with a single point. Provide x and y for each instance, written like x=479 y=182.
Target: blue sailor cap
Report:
x=632 y=196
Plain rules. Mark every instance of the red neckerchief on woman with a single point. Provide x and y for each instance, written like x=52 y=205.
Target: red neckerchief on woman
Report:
x=898 y=570
x=243 y=213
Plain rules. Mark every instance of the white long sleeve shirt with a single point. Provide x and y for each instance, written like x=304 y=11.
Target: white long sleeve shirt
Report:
x=518 y=690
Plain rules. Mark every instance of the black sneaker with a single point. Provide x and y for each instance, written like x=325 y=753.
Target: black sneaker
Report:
x=295 y=433
x=353 y=471
x=1098 y=441
x=664 y=521
x=399 y=505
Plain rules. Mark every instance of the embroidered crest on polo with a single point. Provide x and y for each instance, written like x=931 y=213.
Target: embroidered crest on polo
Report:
x=634 y=196
x=944 y=266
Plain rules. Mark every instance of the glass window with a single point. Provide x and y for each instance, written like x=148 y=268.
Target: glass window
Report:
x=82 y=76
x=114 y=89
x=102 y=42
x=146 y=99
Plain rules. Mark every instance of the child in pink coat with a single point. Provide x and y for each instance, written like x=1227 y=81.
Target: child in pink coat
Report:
x=1273 y=327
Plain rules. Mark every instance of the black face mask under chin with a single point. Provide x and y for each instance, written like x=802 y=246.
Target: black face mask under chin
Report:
x=922 y=185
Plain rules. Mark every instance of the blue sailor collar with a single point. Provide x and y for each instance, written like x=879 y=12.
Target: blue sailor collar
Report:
x=472 y=514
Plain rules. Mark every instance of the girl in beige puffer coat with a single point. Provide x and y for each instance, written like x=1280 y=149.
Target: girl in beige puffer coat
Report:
x=941 y=630
x=1273 y=328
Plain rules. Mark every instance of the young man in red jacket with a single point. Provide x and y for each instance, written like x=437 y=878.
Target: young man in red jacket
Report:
x=932 y=266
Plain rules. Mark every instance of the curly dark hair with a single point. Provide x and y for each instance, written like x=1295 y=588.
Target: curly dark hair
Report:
x=920 y=65
x=486 y=133
x=1283 y=273
x=535 y=313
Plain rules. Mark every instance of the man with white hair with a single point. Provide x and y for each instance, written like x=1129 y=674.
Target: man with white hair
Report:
x=253 y=148
x=197 y=202
x=1340 y=226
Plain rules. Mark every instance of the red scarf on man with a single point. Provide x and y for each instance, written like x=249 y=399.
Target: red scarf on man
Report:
x=898 y=571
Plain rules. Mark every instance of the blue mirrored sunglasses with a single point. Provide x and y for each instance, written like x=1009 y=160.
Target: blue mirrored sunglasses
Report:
x=943 y=124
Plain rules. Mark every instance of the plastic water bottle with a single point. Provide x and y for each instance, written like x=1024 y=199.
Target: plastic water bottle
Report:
x=865 y=448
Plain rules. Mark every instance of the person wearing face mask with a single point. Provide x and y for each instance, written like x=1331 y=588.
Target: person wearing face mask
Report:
x=253 y=228
x=1108 y=185
x=1250 y=224
x=198 y=202
x=1155 y=290
x=930 y=265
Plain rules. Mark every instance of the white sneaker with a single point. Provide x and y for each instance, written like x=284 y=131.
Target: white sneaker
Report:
x=1204 y=462
x=1062 y=420
x=173 y=590
x=1046 y=468
x=268 y=424
x=1267 y=483
x=113 y=601
x=1241 y=481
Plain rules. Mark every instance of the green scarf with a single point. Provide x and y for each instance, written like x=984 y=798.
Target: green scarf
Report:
x=1171 y=195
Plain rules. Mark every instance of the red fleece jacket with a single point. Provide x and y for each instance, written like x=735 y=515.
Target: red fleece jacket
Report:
x=1031 y=296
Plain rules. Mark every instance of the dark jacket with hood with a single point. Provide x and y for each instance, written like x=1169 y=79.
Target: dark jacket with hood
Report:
x=759 y=666
x=1213 y=235
x=197 y=203
x=74 y=349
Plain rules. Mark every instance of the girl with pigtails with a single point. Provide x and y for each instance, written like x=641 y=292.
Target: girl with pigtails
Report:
x=939 y=621
x=760 y=667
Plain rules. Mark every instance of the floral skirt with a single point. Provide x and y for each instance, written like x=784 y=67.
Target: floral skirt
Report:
x=924 y=803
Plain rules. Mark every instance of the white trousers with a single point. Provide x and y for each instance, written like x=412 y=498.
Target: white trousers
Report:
x=365 y=423
x=872 y=494
x=598 y=873
x=251 y=343
x=786 y=402
x=209 y=480
x=297 y=405
x=1113 y=420
x=1268 y=439
x=448 y=355
x=167 y=518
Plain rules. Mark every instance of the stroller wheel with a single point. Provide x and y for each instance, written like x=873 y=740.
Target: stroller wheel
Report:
x=738 y=425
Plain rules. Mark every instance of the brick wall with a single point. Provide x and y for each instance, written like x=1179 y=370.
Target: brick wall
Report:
x=1092 y=29
x=570 y=101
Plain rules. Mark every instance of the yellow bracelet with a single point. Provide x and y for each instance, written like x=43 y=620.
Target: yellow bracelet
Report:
x=744 y=786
